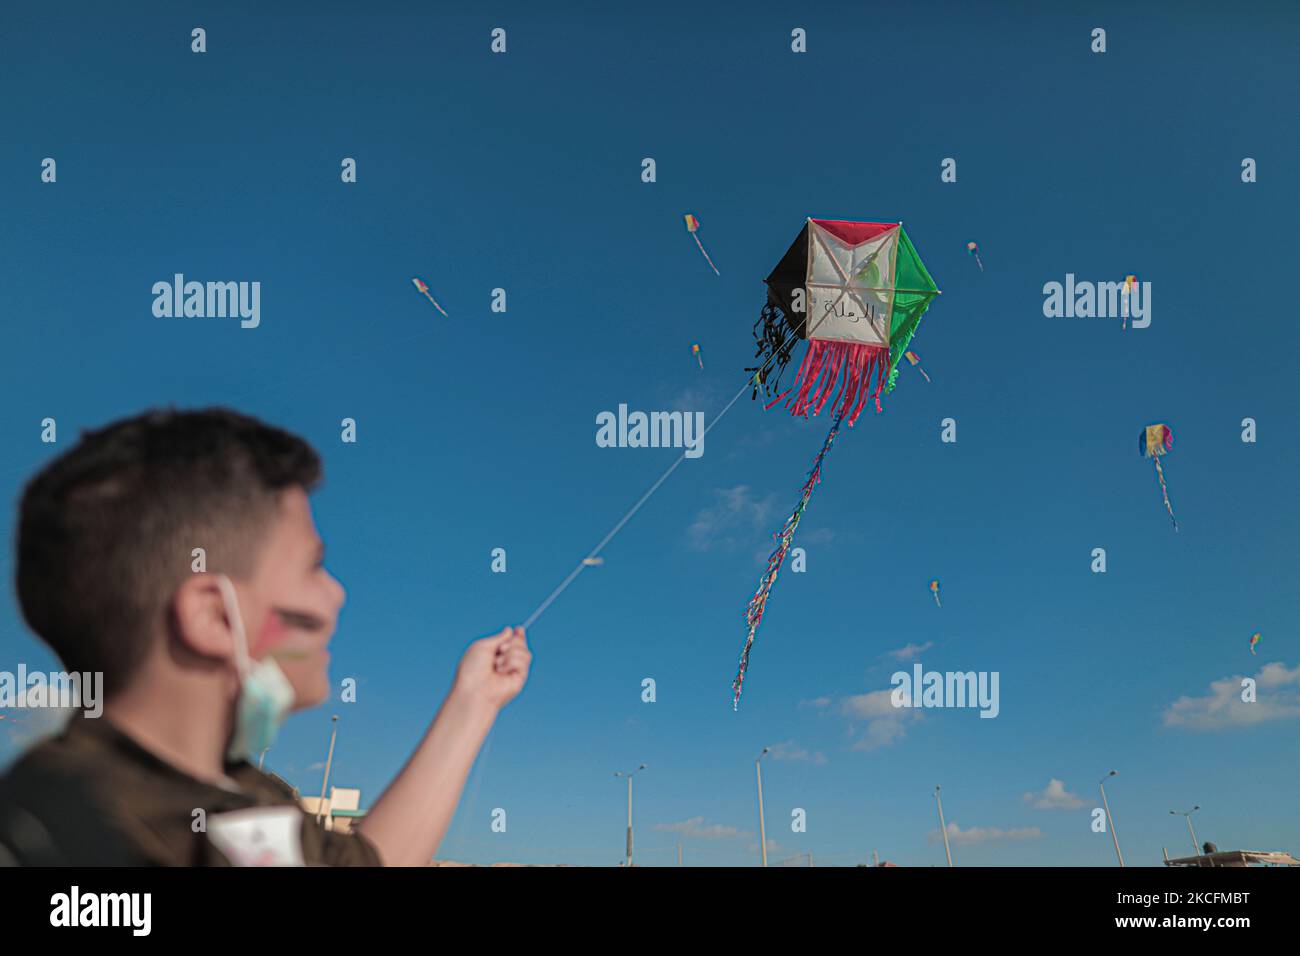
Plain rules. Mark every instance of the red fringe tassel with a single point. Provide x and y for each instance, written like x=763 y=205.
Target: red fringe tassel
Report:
x=840 y=373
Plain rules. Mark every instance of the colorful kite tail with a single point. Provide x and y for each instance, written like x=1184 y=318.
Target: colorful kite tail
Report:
x=706 y=255
x=437 y=306
x=758 y=603
x=1160 y=473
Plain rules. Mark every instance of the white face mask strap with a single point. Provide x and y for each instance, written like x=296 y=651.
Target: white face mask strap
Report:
x=231 y=603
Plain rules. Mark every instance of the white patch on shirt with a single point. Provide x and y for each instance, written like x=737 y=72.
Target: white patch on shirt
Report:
x=263 y=836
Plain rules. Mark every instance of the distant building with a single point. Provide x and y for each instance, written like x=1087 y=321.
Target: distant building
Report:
x=1235 y=858
x=340 y=810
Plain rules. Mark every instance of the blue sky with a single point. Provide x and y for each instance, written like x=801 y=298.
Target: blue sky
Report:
x=522 y=171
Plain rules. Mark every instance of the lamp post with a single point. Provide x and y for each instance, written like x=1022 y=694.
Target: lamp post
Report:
x=329 y=761
x=943 y=827
x=1110 y=822
x=762 y=825
x=629 y=777
x=1196 y=847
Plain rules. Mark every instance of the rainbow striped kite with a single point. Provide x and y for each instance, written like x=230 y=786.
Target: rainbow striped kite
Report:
x=916 y=363
x=1155 y=441
x=424 y=291
x=692 y=226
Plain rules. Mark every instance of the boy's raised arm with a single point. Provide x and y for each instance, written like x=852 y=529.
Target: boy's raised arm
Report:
x=408 y=822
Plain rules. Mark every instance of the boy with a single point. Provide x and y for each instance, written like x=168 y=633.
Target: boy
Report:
x=200 y=667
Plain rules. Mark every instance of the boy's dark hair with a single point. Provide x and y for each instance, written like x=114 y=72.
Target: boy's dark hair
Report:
x=106 y=531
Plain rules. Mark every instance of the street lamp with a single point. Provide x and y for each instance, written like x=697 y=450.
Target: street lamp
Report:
x=1196 y=847
x=943 y=827
x=1110 y=822
x=762 y=826
x=329 y=762
x=629 y=777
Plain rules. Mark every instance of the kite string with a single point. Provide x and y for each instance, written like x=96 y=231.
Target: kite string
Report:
x=573 y=575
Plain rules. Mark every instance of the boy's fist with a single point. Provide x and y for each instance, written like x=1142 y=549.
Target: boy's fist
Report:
x=494 y=668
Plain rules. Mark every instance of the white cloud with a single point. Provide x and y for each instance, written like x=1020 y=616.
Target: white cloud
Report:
x=1054 y=797
x=789 y=750
x=817 y=702
x=985 y=834
x=695 y=398
x=885 y=724
x=696 y=827
x=909 y=651
x=1222 y=708
x=735 y=515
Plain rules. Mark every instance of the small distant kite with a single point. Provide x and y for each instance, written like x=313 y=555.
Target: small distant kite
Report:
x=1130 y=283
x=593 y=562
x=424 y=291
x=916 y=363
x=1253 y=641
x=1153 y=442
x=695 y=350
x=934 y=589
x=692 y=224
x=974 y=250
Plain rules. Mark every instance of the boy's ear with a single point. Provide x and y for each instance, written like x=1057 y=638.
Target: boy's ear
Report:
x=200 y=618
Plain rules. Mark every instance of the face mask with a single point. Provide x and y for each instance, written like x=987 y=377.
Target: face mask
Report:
x=265 y=694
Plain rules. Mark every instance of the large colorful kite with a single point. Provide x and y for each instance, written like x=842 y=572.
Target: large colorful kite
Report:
x=1155 y=441
x=855 y=291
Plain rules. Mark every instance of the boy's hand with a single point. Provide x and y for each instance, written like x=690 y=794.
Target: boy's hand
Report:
x=494 y=668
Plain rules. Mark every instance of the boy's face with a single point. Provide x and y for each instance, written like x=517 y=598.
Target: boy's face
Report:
x=292 y=601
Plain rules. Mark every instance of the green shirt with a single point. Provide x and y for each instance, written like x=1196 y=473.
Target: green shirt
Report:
x=94 y=797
